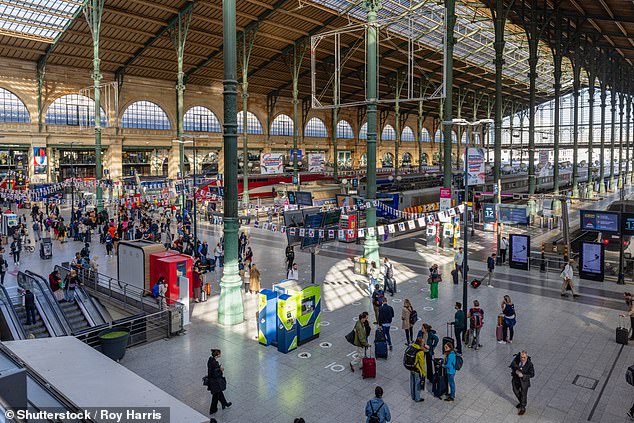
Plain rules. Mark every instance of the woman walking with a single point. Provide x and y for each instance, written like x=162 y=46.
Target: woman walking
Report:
x=508 y=309
x=373 y=275
x=254 y=279
x=434 y=279
x=216 y=382
x=406 y=317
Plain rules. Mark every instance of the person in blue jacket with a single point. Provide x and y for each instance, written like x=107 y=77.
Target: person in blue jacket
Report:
x=450 y=370
x=377 y=408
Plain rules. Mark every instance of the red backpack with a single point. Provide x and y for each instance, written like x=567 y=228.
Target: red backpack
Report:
x=477 y=316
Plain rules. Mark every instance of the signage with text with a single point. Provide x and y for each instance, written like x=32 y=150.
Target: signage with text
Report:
x=601 y=221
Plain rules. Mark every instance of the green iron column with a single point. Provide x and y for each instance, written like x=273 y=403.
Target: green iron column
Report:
x=612 y=133
x=230 y=307
x=557 y=58
x=178 y=35
x=296 y=65
x=592 y=78
x=93 y=10
x=621 y=184
x=450 y=10
x=576 y=92
x=370 y=245
x=533 y=59
x=248 y=39
x=604 y=96
x=335 y=168
x=420 y=119
x=499 y=22
x=628 y=141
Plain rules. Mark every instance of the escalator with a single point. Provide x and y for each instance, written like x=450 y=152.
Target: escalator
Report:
x=50 y=321
x=10 y=325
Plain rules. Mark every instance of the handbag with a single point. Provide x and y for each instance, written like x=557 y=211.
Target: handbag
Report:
x=205 y=380
x=350 y=337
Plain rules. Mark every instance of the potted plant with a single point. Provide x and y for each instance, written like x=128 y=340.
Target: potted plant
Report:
x=114 y=342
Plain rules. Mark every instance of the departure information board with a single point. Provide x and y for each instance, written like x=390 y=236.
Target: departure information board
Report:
x=627 y=223
x=601 y=221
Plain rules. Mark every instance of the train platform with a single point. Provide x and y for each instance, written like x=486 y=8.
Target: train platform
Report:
x=579 y=367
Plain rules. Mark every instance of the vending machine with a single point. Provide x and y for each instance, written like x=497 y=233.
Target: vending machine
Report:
x=267 y=323
x=309 y=314
x=172 y=268
x=347 y=222
x=287 y=322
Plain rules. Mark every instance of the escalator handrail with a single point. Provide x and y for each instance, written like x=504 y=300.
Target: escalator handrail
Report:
x=59 y=316
x=90 y=299
x=5 y=298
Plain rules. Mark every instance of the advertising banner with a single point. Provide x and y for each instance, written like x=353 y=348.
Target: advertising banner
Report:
x=476 y=169
x=316 y=162
x=271 y=163
x=592 y=258
x=39 y=160
x=519 y=254
x=445 y=198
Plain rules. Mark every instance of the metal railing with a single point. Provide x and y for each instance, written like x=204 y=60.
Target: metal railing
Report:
x=50 y=311
x=15 y=328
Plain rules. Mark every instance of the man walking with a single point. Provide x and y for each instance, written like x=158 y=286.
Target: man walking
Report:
x=388 y=276
x=491 y=268
x=476 y=320
x=386 y=314
x=458 y=259
x=360 y=340
x=522 y=372
x=504 y=245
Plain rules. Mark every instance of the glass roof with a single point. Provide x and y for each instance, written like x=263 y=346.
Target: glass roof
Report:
x=40 y=20
x=423 y=20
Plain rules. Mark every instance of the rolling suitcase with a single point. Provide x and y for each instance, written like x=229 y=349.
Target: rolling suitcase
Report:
x=203 y=296
x=622 y=333
x=448 y=339
x=380 y=344
x=454 y=276
x=368 y=369
x=499 y=329
x=476 y=283
x=439 y=383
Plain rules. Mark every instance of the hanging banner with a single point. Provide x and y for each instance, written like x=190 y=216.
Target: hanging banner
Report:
x=476 y=169
x=316 y=162
x=272 y=163
x=39 y=160
x=445 y=198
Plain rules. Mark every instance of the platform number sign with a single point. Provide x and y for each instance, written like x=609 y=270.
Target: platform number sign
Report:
x=627 y=223
x=489 y=213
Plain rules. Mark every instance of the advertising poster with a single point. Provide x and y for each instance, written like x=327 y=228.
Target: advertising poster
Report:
x=476 y=169
x=519 y=254
x=316 y=162
x=39 y=160
x=272 y=163
x=591 y=265
x=445 y=198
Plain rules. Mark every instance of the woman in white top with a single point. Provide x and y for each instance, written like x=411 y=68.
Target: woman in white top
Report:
x=293 y=273
x=566 y=275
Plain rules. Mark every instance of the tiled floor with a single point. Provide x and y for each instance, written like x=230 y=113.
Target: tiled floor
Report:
x=567 y=340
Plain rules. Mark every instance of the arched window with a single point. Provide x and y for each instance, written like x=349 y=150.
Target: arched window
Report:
x=201 y=119
x=388 y=160
x=388 y=134
x=407 y=134
x=463 y=139
x=253 y=124
x=73 y=110
x=282 y=125
x=11 y=108
x=363 y=132
x=425 y=137
x=145 y=115
x=344 y=130
x=315 y=128
x=454 y=138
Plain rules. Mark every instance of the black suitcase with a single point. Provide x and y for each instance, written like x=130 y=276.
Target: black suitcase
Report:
x=448 y=339
x=439 y=381
x=454 y=276
x=622 y=333
x=476 y=283
x=380 y=344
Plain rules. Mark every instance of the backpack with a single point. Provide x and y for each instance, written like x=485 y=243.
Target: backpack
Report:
x=155 y=290
x=476 y=318
x=413 y=317
x=378 y=297
x=459 y=362
x=374 y=417
x=432 y=340
x=629 y=375
x=409 y=359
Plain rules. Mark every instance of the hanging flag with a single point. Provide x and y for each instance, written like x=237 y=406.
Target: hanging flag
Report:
x=391 y=229
x=380 y=230
x=421 y=221
x=340 y=234
x=331 y=233
x=292 y=231
x=361 y=233
x=321 y=233
x=371 y=232
x=412 y=225
x=401 y=226
x=302 y=232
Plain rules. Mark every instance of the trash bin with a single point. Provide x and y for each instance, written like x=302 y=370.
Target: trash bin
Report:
x=360 y=266
x=46 y=249
x=114 y=342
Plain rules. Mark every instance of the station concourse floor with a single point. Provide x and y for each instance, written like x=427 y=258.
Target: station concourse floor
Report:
x=579 y=367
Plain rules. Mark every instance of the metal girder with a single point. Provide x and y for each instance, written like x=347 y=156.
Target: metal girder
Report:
x=261 y=17
x=164 y=30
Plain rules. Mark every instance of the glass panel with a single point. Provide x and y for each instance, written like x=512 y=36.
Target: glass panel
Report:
x=315 y=128
x=407 y=134
x=73 y=110
x=344 y=130
x=363 y=133
x=36 y=19
x=145 y=115
x=253 y=124
x=11 y=108
x=388 y=134
x=201 y=119
x=282 y=126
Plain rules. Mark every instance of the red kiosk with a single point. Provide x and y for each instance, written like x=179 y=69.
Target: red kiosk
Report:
x=171 y=265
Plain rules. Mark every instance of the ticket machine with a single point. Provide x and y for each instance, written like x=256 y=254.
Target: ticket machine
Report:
x=267 y=323
x=309 y=314
x=287 y=322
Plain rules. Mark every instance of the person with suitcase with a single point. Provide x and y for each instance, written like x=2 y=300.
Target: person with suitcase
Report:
x=508 y=320
x=360 y=341
x=522 y=371
x=376 y=410
x=380 y=344
x=567 y=283
x=386 y=314
x=430 y=341
x=459 y=325
x=414 y=361
x=476 y=320
x=450 y=368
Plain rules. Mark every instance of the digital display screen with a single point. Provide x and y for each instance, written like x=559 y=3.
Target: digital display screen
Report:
x=489 y=213
x=513 y=214
x=591 y=253
x=312 y=221
x=332 y=217
x=291 y=197
x=308 y=305
x=601 y=221
x=293 y=219
x=519 y=249
x=303 y=198
x=627 y=223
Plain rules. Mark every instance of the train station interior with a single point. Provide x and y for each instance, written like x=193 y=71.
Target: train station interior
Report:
x=214 y=144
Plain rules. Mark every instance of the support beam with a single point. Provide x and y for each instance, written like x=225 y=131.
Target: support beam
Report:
x=613 y=105
x=591 y=66
x=558 y=50
x=230 y=307
x=604 y=96
x=450 y=40
x=576 y=87
x=248 y=39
